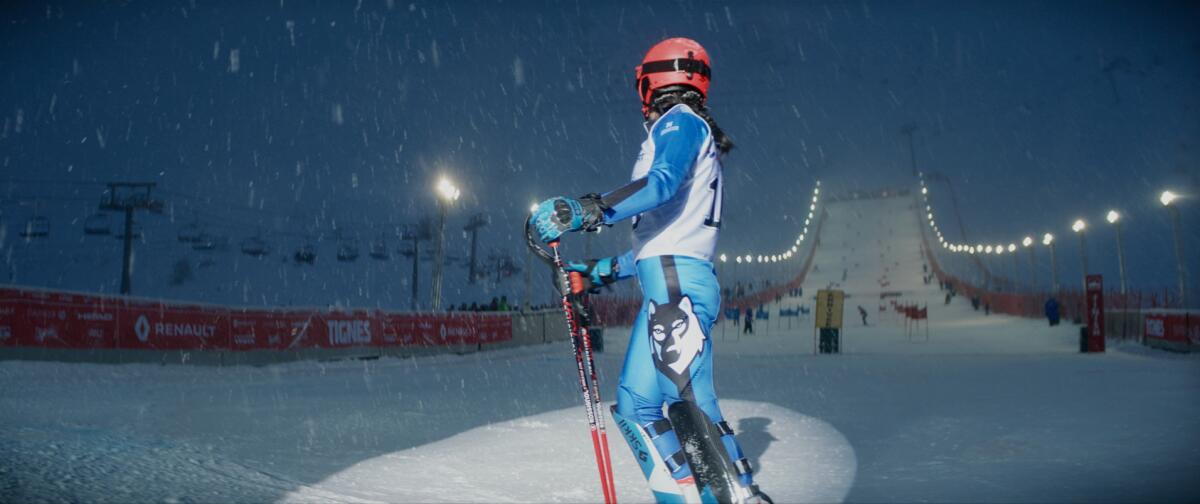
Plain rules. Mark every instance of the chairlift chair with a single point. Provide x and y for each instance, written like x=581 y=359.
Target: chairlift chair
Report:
x=306 y=254
x=96 y=225
x=347 y=251
x=204 y=242
x=255 y=247
x=36 y=227
x=379 y=250
x=135 y=231
x=191 y=233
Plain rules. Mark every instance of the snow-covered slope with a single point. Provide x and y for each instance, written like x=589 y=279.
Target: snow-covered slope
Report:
x=989 y=408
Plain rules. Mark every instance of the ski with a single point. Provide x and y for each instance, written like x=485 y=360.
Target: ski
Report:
x=711 y=464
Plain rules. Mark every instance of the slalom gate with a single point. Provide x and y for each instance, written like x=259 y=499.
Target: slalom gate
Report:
x=59 y=325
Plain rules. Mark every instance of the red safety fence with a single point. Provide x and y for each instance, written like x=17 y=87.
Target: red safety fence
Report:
x=53 y=319
x=615 y=311
x=1175 y=326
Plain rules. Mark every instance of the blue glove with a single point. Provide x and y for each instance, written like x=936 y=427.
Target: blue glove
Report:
x=596 y=272
x=556 y=216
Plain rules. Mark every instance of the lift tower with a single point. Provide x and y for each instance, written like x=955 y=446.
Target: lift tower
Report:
x=127 y=197
x=477 y=221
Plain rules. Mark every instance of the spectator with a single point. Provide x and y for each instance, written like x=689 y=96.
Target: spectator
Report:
x=495 y=306
x=504 y=303
x=1052 y=314
x=749 y=327
x=863 y=313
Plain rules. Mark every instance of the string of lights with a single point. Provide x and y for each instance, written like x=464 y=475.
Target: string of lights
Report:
x=786 y=254
x=1079 y=226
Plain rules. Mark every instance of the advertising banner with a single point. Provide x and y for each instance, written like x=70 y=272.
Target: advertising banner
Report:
x=1172 y=325
x=156 y=326
x=829 y=309
x=56 y=320
x=266 y=330
x=49 y=319
x=1095 y=313
x=494 y=328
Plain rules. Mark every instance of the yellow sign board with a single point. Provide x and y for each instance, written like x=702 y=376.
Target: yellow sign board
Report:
x=829 y=309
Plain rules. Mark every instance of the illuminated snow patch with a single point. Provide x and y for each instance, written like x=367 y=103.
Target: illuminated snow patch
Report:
x=548 y=458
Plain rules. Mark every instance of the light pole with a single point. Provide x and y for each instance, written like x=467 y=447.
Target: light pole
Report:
x=1167 y=198
x=1080 y=228
x=999 y=267
x=736 y=261
x=1048 y=240
x=1028 y=244
x=1012 y=251
x=1114 y=218
x=447 y=195
x=988 y=276
x=908 y=130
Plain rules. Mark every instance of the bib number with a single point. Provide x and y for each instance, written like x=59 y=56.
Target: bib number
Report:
x=718 y=200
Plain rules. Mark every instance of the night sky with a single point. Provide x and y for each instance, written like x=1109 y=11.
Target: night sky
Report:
x=304 y=121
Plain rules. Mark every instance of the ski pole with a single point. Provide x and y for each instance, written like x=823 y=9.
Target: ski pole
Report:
x=589 y=385
x=580 y=346
x=572 y=285
x=576 y=282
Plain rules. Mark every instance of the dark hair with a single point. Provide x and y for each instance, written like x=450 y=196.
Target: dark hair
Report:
x=671 y=96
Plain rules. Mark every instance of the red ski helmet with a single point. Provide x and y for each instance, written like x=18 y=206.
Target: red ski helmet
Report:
x=673 y=62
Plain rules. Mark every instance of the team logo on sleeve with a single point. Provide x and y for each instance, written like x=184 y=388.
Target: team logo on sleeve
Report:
x=676 y=338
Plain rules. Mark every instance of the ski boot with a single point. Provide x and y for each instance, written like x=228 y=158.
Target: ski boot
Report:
x=671 y=480
x=748 y=493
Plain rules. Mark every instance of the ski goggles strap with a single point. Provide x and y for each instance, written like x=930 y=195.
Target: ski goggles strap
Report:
x=692 y=66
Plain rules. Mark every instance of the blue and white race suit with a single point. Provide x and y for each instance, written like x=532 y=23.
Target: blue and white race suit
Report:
x=675 y=202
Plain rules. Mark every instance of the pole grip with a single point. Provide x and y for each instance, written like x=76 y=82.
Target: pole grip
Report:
x=576 y=280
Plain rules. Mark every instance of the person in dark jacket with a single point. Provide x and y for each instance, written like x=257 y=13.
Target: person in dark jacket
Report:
x=1052 y=314
x=749 y=327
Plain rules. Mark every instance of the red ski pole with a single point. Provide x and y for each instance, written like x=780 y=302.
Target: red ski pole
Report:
x=576 y=281
x=585 y=367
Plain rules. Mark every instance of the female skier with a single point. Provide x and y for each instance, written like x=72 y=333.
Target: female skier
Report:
x=674 y=201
